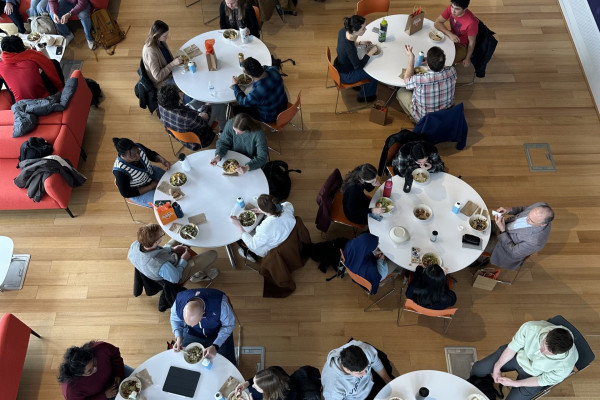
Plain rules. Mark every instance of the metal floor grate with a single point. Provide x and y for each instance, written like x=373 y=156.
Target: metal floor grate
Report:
x=459 y=360
x=539 y=157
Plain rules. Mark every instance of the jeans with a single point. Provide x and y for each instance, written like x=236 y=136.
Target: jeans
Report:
x=148 y=197
x=15 y=17
x=84 y=17
x=370 y=89
x=37 y=7
x=227 y=349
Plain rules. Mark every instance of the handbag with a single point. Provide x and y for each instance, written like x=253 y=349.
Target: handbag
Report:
x=165 y=212
x=414 y=23
x=43 y=24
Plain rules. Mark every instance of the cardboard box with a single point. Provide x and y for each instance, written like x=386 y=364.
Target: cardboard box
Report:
x=378 y=113
x=211 y=62
x=486 y=278
x=414 y=23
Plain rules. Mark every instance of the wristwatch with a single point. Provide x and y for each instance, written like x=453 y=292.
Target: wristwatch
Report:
x=216 y=346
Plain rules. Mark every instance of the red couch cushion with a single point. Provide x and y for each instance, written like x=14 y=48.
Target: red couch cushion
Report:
x=14 y=339
x=5 y=100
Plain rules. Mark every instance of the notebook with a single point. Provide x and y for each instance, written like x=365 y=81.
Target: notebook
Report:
x=181 y=381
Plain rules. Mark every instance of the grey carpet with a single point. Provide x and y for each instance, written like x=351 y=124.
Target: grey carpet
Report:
x=68 y=66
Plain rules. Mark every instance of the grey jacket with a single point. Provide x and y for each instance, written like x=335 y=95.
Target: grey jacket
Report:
x=514 y=245
x=35 y=171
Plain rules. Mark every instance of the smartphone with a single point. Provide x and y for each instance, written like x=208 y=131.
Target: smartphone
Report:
x=375 y=29
x=59 y=50
x=496 y=213
x=376 y=217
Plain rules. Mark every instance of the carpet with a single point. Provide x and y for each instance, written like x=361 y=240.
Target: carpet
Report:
x=68 y=66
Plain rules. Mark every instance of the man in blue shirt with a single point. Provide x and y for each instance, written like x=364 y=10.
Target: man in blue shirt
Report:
x=267 y=98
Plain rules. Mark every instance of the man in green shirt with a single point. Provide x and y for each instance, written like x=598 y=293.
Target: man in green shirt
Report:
x=542 y=353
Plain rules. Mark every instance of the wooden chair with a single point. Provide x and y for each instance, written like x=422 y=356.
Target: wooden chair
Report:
x=285 y=117
x=127 y=203
x=185 y=137
x=335 y=76
x=411 y=306
x=366 y=285
x=365 y=7
x=337 y=214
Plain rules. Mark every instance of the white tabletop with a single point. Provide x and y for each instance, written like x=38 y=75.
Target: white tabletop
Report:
x=196 y=85
x=210 y=381
x=387 y=67
x=6 y=253
x=49 y=51
x=440 y=193
x=441 y=385
x=210 y=192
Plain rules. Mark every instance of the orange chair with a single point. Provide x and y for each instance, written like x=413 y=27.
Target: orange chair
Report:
x=285 y=117
x=185 y=137
x=337 y=213
x=257 y=12
x=411 y=306
x=365 y=7
x=335 y=76
x=127 y=203
x=366 y=285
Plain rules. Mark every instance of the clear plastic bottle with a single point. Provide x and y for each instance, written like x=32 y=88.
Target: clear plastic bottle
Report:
x=211 y=89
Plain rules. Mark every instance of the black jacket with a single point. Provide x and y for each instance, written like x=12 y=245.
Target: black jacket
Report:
x=394 y=142
x=167 y=297
x=145 y=90
x=485 y=45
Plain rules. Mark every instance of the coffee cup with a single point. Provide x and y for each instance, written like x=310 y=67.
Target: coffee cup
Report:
x=49 y=40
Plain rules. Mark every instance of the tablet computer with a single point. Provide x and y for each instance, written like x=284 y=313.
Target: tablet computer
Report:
x=181 y=381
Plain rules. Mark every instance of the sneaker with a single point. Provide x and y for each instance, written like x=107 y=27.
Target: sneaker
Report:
x=209 y=275
x=244 y=253
x=91 y=44
x=68 y=39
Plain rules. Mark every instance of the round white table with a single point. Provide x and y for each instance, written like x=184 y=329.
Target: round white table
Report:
x=6 y=253
x=440 y=193
x=441 y=385
x=210 y=381
x=387 y=67
x=210 y=192
x=196 y=85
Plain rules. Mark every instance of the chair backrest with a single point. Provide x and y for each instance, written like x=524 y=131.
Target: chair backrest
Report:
x=333 y=72
x=412 y=306
x=359 y=280
x=447 y=125
x=337 y=211
x=257 y=12
x=286 y=115
x=365 y=7
x=187 y=137
x=586 y=355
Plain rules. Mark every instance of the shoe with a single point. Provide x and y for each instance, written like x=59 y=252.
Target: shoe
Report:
x=367 y=99
x=91 y=44
x=68 y=39
x=209 y=275
x=246 y=255
x=356 y=88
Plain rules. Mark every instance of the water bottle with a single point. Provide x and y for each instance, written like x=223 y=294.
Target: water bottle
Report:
x=434 y=236
x=177 y=209
x=419 y=60
x=422 y=394
x=192 y=67
x=387 y=188
x=211 y=89
x=456 y=208
x=383 y=30
x=185 y=163
x=241 y=203
x=243 y=34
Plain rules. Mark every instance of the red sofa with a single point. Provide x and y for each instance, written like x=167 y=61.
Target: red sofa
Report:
x=63 y=130
x=96 y=4
x=14 y=339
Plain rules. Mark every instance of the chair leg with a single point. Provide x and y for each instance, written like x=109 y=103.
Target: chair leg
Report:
x=69 y=212
x=34 y=333
x=130 y=214
x=382 y=297
x=83 y=154
x=445 y=329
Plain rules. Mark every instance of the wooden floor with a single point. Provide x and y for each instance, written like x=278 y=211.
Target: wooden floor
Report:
x=79 y=284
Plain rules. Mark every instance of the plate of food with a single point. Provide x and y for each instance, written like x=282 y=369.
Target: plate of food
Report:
x=244 y=79
x=130 y=387
x=230 y=34
x=386 y=203
x=377 y=52
x=193 y=353
x=479 y=222
x=247 y=218
x=230 y=166
x=238 y=396
x=421 y=176
x=178 y=179
x=431 y=258
x=34 y=37
x=422 y=212
x=436 y=36
x=189 y=231
x=420 y=70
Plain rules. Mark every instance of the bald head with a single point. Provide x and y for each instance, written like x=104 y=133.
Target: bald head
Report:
x=193 y=312
x=540 y=216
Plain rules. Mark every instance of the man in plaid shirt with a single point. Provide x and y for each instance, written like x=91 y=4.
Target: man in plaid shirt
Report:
x=176 y=116
x=428 y=92
x=267 y=97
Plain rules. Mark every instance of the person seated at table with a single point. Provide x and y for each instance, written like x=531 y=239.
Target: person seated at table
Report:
x=429 y=288
x=428 y=92
x=135 y=177
x=364 y=258
x=463 y=29
x=267 y=98
x=350 y=67
x=11 y=9
x=237 y=13
x=204 y=316
x=157 y=57
x=20 y=69
x=243 y=135
x=348 y=373
x=272 y=383
x=419 y=154
x=176 y=116
x=62 y=10
x=92 y=371
x=354 y=200
x=173 y=262
x=541 y=353
x=271 y=232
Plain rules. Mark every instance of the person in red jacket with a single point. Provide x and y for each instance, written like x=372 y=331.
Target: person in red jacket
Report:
x=92 y=371
x=19 y=68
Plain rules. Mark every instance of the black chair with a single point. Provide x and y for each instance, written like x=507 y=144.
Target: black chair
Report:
x=586 y=356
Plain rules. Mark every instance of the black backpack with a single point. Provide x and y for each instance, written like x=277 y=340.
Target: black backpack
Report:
x=34 y=147
x=277 y=63
x=486 y=385
x=96 y=91
x=278 y=176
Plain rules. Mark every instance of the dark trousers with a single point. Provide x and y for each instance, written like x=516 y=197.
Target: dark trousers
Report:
x=486 y=366
x=227 y=349
x=15 y=17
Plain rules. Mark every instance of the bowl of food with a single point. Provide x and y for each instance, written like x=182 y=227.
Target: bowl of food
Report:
x=386 y=203
x=421 y=176
x=395 y=398
x=377 y=52
x=238 y=396
x=479 y=222
x=189 y=231
x=130 y=387
x=230 y=165
x=399 y=234
x=247 y=218
x=34 y=37
x=244 y=79
x=420 y=70
x=436 y=36
x=422 y=212
x=193 y=353
x=230 y=34
x=428 y=259
x=178 y=179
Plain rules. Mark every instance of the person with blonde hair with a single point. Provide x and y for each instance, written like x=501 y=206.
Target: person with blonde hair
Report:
x=173 y=262
x=158 y=60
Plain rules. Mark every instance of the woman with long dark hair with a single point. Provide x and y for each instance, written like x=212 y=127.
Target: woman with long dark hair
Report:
x=429 y=288
x=350 y=67
x=272 y=383
x=419 y=154
x=235 y=13
x=158 y=59
x=355 y=201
